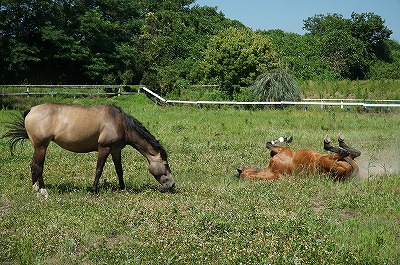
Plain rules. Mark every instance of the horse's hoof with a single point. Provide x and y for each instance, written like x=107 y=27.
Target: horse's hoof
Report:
x=341 y=137
x=289 y=139
x=35 y=187
x=327 y=139
x=42 y=193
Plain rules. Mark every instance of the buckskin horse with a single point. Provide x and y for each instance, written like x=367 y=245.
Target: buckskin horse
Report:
x=104 y=128
x=340 y=165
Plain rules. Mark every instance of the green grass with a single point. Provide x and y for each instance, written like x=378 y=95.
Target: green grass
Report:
x=212 y=217
x=362 y=89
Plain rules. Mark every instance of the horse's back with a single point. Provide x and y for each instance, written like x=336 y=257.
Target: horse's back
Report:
x=255 y=173
x=75 y=128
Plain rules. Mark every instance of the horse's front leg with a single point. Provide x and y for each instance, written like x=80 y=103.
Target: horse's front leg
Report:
x=101 y=160
x=118 y=168
x=37 y=171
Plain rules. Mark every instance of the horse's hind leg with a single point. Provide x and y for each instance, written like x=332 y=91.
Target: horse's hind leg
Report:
x=101 y=160
x=329 y=147
x=37 y=171
x=353 y=152
x=118 y=168
x=338 y=170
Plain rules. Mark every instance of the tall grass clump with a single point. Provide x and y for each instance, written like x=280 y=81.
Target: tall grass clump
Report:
x=276 y=85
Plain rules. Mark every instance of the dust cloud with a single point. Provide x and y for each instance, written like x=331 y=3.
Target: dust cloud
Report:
x=378 y=163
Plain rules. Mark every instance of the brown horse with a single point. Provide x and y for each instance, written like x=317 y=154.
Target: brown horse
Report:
x=284 y=161
x=104 y=128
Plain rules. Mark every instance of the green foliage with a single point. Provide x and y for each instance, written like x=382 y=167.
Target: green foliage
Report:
x=165 y=44
x=300 y=55
x=350 y=45
x=276 y=85
x=344 y=54
x=366 y=27
x=235 y=57
x=390 y=67
x=337 y=48
x=173 y=41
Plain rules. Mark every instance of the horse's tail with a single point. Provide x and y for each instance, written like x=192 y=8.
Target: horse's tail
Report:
x=17 y=131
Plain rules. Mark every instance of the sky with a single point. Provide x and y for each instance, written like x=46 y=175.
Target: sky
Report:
x=288 y=15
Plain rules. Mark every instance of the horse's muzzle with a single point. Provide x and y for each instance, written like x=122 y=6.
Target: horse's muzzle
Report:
x=172 y=188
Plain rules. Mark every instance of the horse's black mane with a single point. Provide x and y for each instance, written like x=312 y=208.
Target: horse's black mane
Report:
x=134 y=124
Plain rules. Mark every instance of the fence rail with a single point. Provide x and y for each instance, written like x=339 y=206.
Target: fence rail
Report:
x=119 y=90
x=305 y=102
x=321 y=102
x=27 y=90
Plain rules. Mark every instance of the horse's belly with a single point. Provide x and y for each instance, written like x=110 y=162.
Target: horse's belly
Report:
x=306 y=161
x=81 y=146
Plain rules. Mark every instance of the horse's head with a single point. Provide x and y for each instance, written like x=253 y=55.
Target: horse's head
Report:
x=162 y=173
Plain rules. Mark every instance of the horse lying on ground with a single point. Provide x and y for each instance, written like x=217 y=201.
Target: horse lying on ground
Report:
x=284 y=161
x=105 y=129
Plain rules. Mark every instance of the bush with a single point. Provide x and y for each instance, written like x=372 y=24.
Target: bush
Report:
x=276 y=85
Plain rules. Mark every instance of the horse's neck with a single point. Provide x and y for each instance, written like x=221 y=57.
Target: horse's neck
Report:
x=267 y=173
x=145 y=148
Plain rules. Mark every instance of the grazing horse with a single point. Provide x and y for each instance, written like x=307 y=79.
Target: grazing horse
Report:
x=284 y=161
x=104 y=128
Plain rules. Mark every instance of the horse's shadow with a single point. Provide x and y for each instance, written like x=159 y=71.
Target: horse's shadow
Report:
x=69 y=187
x=64 y=188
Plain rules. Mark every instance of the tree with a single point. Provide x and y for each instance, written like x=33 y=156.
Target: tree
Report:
x=345 y=55
x=322 y=24
x=172 y=41
x=235 y=57
x=79 y=41
x=390 y=67
x=350 y=45
x=300 y=55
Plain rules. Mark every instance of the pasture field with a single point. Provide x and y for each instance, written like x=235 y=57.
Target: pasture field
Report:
x=212 y=217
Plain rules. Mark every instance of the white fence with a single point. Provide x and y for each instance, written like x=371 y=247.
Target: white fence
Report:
x=306 y=102
x=93 y=90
